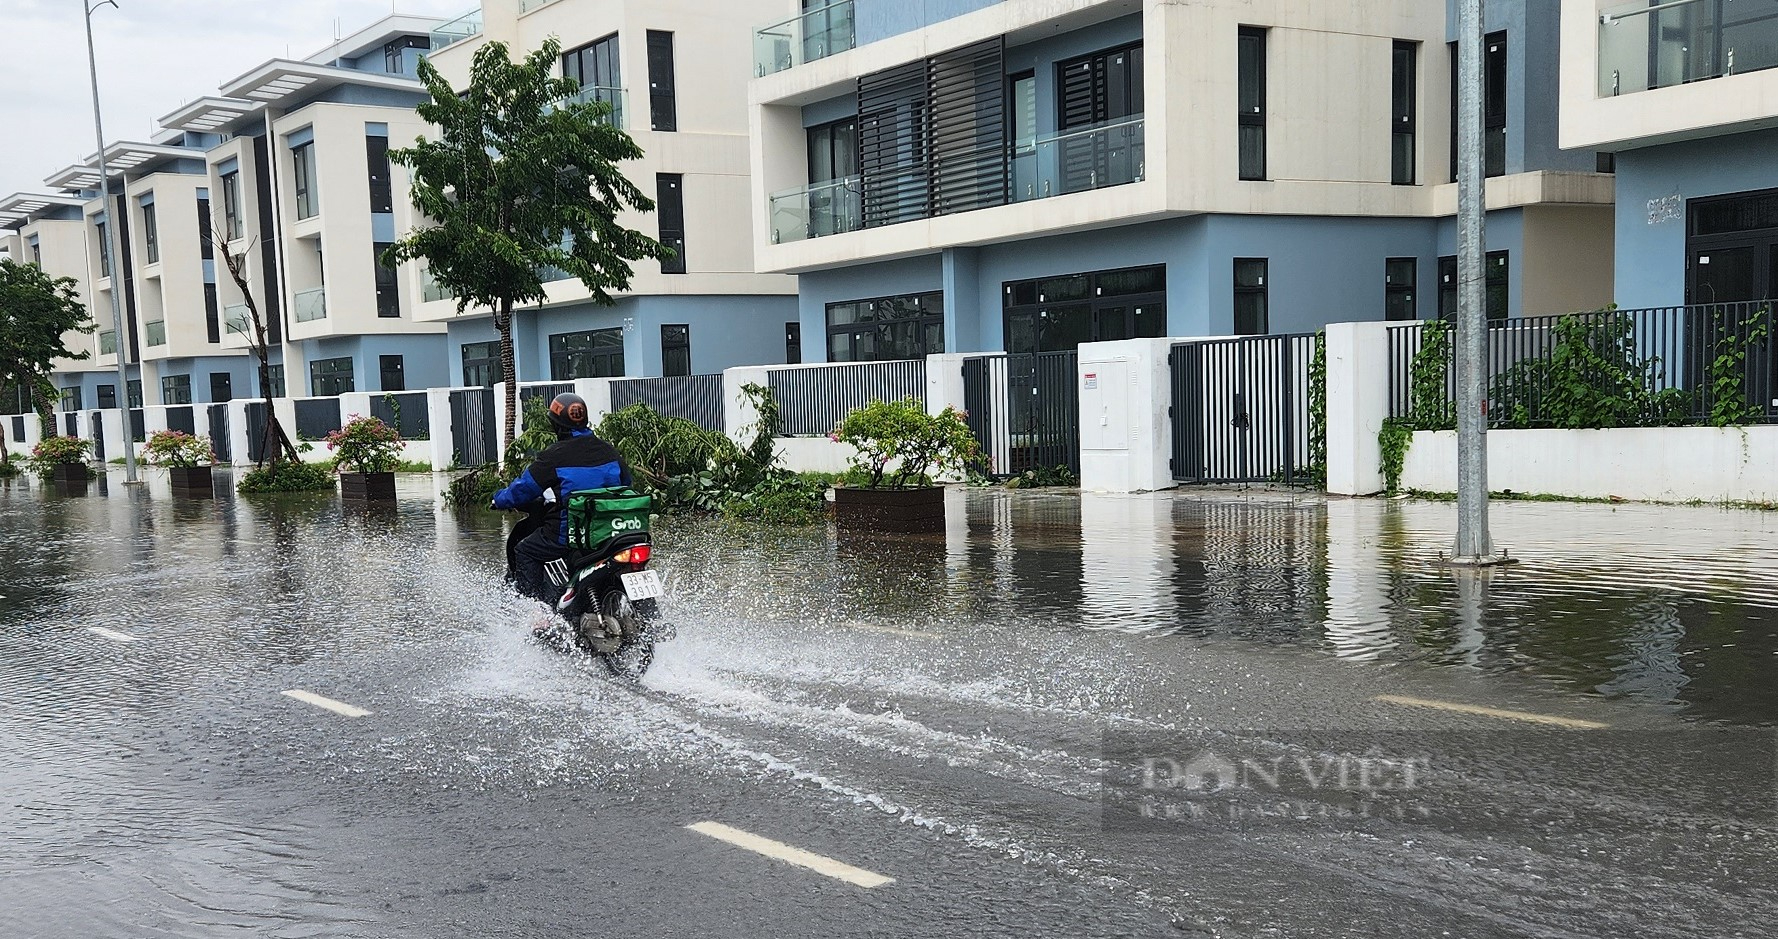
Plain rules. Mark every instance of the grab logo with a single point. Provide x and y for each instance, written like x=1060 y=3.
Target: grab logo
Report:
x=625 y=524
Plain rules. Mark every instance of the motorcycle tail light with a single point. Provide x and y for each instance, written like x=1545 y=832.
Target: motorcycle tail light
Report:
x=637 y=555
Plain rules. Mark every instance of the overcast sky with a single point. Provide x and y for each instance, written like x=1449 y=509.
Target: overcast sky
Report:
x=154 y=55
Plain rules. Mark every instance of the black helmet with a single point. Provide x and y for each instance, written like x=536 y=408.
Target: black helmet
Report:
x=568 y=413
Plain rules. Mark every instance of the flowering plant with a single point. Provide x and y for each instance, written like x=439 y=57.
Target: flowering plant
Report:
x=365 y=445
x=178 y=448
x=58 y=451
x=902 y=433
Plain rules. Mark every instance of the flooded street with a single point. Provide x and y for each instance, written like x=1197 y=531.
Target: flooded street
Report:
x=1191 y=713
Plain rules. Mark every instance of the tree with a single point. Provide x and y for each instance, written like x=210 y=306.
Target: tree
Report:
x=36 y=311
x=521 y=178
x=274 y=443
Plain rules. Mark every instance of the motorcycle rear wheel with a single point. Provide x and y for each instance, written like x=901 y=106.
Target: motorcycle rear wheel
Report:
x=631 y=660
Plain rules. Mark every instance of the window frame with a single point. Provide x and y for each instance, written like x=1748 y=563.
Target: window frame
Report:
x=233 y=227
x=793 y=342
x=489 y=359
x=334 y=380
x=1394 y=290
x=675 y=350
x=1262 y=290
x=1252 y=41
x=151 y=236
x=1404 y=88
x=606 y=358
x=383 y=372
x=663 y=96
x=380 y=175
x=388 y=284
x=1492 y=262
x=302 y=189
x=176 y=389
x=669 y=205
x=930 y=305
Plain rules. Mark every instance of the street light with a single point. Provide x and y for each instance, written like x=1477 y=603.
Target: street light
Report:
x=123 y=371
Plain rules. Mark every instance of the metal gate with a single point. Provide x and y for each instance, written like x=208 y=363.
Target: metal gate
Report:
x=257 y=417
x=98 y=427
x=1025 y=410
x=1241 y=409
x=219 y=436
x=475 y=439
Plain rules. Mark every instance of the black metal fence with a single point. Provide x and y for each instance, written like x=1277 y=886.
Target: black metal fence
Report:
x=404 y=411
x=1241 y=409
x=812 y=401
x=257 y=418
x=475 y=433
x=98 y=427
x=317 y=417
x=1658 y=366
x=547 y=392
x=18 y=428
x=219 y=436
x=180 y=417
x=697 y=398
x=1024 y=410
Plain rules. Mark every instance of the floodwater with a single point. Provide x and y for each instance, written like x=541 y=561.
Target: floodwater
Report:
x=968 y=685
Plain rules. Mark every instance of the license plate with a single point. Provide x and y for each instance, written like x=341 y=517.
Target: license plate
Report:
x=643 y=585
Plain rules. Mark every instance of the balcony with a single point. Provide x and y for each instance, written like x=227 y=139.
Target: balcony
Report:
x=457 y=30
x=815 y=34
x=1643 y=46
x=526 y=6
x=1079 y=160
x=156 y=332
x=108 y=342
x=432 y=291
x=235 y=318
x=616 y=98
x=813 y=211
x=311 y=305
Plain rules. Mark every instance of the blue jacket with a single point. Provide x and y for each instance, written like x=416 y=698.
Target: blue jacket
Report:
x=582 y=461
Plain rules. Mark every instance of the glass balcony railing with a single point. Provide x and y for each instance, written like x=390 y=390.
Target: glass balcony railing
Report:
x=432 y=291
x=108 y=342
x=235 y=318
x=616 y=98
x=311 y=305
x=1078 y=160
x=813 y=211
x=815 y=34
x=1644 y=46
x=457 y=30
x=157 y=332
x=526 y=6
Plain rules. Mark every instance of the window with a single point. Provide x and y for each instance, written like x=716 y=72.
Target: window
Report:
x=1026 y=180
x=388 y=291
x=231 y=206
x=663 y=106
x=222 y=386
x=376 y=155
x=134 y=391
x=391 y=373
x=273 y=384
x=71 y=399
x=104 y=249
x=331 y=377
x=1496 y=265
x=1251 y=74
x=670 y=208
x=1404 y=119
x=675 y=350
x=595 y=354
x=833 y=159
x=595 y=67
x=395 y=57
x=212 y=314
x=887 y=328
x=107 y=397
x=1251 y=314
x=1493 y=105
x=1732 y=247
x=303 y=162
x=176 y=389
x=36 y=252
x=151 y=239
x=1099 y=90
x=793 y=343
x=481 y=364
x=1400 y=280
x=206 y=250
x=1056 y=314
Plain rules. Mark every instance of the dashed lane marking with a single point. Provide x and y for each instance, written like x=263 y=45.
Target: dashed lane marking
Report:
x=778 y=850
x=111 y=634
x=337 y=707
x=1570 y=722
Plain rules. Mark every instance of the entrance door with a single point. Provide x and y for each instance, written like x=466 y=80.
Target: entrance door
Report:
x=1728 y=275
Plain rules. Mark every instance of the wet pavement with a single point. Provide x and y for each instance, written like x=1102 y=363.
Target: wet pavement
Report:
x=1198 y=713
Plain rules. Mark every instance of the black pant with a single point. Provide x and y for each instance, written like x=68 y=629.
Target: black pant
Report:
x=529 y=555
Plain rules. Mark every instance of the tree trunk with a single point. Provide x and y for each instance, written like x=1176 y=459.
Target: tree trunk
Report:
x=46 y=412
x=509 y=373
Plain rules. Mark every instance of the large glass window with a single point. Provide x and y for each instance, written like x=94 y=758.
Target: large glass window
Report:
x=675 y=350
x=481 y=364
x=388 y=290
x=392 y=372
x=176 y=389
x=376 y=156
x=151 y=235
x=71 y=399
x=231 y=206
x=331 y=377
x=1497 y=266
x=1404 y=117
x=669 y=207
x=886 y=328
x=1732 y=248
x=222 y=386
x=663 y=103
x=1251 y=75
x=303 y=162
x=1056 y=314
x=595 y=354
x=1494 y=108
x=1252 y=307
x=273 y=384
x=1400 y=285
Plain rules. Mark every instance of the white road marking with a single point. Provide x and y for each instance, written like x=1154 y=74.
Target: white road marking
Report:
x=337 y=707
x=791 y=855
x=111 y=634
x=893 y=630
x=1570 y=722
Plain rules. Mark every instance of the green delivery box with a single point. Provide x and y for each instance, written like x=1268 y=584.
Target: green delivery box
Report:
x=595 y=516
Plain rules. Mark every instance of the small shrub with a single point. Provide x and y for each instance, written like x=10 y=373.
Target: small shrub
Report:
x=901 y=432
x=1043 y=477
x=178 y=448
x=58 y=451
x=288 y=476
x=365 y=445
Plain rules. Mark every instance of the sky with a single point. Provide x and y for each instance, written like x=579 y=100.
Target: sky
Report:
x=154 y=55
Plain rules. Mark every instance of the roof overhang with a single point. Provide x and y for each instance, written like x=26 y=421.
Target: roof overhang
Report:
x=78 y=176
x=209 y=114
x=372 y=38
x=23 y=207
x=279 y=80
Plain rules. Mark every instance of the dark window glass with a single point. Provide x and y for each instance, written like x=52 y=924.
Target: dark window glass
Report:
x=1404 y=119
x=134 y=390
x=331 y=377
x=1494 y=108
x=886 y=328
x=206 y=250
x=104 y=249
x=481 y=364
x=302 y=161
x=1056 y=314
x=595 y=354
x=1497 y=268
x=176 y=389
x=1400 y=287
x=72 y=399
x=670 y=210
x=376 y=154
x=1101 y=90
x=231 y=206
x=1251 y=315
x=1604 y=162
x=595 y=66
x=274 y=381
x=663 y=106
x=1251 y=71
x=222 y=386
x=107 y=396
x=392 y=373
x=212 y=314
x=151 y=235
x=675 y=350
x=793 y=343
x=1744 y=212
x=388 y=291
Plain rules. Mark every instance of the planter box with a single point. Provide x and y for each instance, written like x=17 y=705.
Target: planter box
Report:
x=896 y=511
x=367 y=487
x=192 y=480
x=70 y=473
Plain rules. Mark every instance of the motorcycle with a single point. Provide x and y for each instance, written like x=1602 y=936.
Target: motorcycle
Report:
x=608 y=605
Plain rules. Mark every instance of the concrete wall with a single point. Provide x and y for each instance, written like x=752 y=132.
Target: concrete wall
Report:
x=880 y=19
x=1645 y=463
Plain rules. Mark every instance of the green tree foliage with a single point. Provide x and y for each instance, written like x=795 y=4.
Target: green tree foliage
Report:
x=36 y=311
x=520 y=179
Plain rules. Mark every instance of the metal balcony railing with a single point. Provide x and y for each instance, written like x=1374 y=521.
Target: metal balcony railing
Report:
x=814 y=34
x=311 y=305
x=1644 y=45
x=457 y=30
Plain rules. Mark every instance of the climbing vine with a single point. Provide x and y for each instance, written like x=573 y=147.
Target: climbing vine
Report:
x=1429 y=374
x=1317 y=468
x=1394 y=439
x=1729 y=400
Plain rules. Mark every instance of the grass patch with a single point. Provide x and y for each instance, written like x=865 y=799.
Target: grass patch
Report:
x=288 y=476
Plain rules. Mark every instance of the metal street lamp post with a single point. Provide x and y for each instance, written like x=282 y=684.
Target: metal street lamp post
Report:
x=123 y=372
